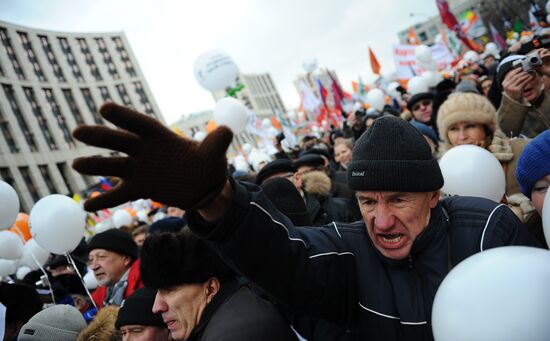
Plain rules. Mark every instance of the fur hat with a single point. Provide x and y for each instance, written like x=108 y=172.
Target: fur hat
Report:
x=534 y=162
x=465 y=107
x=115 y=240
x=60 y=322
x=392 y=155
x=138 y=309
x=317 y=183
x=102 y=326
x=286 y=198
x=173 y=259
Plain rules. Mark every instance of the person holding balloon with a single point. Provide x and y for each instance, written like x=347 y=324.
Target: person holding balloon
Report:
x=533 y=175
x=377 y=277
x=470 y=119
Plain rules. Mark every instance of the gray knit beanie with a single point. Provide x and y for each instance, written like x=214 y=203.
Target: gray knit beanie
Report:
x=60 y=322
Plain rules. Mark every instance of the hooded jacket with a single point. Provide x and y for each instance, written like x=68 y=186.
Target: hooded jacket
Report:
x=335 y=272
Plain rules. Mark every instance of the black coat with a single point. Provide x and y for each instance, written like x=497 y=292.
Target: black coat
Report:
x=236 y=314
x=335 y=272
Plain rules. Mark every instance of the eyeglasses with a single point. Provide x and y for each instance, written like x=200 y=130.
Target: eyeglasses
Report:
x=423 y=103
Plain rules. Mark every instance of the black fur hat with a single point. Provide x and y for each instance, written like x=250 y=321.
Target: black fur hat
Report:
x=173 y=259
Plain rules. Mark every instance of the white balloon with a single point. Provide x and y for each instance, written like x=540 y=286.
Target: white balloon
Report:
x=57 y=223
x=491 y=48
x=548 y=15
x=32 y=248
x=104 y=226
x=432 y=78
x=266 y=123
x=7 y=267
x=546 y=217
x=215 y=71
x=376 y=99
x=499 y=294
x=22 y=272
x=9 y=206
x=470 y=170
x=90 y=281
x=423 y=54
x=417 y=85
x=122 y=218
x=310 y=65
x=471 y=56
x=199 y=136
x=547 y=6
x=231 y=113
x=11 y=246
x=143 y=215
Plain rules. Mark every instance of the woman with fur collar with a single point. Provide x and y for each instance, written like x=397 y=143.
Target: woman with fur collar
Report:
x=469 y=118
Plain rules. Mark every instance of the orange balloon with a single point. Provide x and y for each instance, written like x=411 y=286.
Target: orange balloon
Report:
x=94 y=194
x=131 y=211
x=211 y=126
x=21 y=227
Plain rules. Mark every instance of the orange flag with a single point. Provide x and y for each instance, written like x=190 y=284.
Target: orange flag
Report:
x=413 y=39
x=375 y=66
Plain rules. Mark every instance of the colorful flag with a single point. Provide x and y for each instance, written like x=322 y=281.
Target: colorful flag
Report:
x=448 y=18
x=497 y=38
x=337 y=93
x=104 y=184
x=323 y=92
x=374 y=64
x=309 y=100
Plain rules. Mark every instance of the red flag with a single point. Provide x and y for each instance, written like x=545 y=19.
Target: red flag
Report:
x=448 y=18
x=323 y=92
x=374 y=64
x=337 y=93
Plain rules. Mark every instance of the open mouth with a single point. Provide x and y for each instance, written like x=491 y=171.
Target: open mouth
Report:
x=392 y=238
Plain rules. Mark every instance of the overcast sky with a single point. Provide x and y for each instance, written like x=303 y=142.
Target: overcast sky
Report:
x=260 y=36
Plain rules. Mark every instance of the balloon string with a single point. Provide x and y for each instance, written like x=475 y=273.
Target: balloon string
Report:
x=71 y=260
x=45 y=274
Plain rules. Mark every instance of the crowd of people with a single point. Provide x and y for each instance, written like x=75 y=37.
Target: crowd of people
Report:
x=343 y=237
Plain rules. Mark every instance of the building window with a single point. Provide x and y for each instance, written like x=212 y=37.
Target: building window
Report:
x=27 y=45
x=124 y=57
x=48 y=179
x=64 y=170
x=68 y=94
x=50 y=97
x=56 y=69
x=8 y=135
x=143 y=98
x=104 y=93
x=7 y=176
x=94 y=70
x=42 y=122
x=107 y=59
x=91 y=105
x=27 y=178
x=29 y=136
x=6 y=41
x=124 y=95
x=66 y=48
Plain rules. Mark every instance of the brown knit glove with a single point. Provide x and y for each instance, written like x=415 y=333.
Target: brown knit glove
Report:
x=160 y=164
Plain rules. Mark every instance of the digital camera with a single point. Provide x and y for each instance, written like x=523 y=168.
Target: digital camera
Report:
x=529 y=62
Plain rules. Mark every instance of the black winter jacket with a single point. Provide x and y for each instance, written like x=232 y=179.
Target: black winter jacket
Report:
x=335 y=272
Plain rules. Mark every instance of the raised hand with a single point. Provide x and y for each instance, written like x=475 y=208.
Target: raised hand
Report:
x=160 y=165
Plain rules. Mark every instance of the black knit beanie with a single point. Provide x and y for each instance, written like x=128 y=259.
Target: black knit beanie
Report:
x=114 y=240
x=392 y=155
x=137 y=310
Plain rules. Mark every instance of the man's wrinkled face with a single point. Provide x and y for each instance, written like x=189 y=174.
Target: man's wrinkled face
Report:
x=108 y=266
x=181 y=308
x=395 y=219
